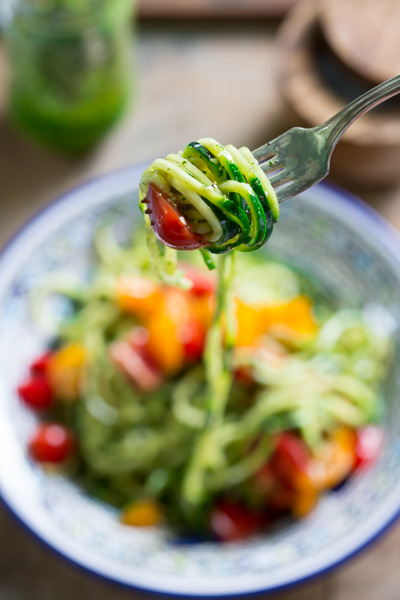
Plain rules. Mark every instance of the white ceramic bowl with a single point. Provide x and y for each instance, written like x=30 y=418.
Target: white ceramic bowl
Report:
x=351 y=252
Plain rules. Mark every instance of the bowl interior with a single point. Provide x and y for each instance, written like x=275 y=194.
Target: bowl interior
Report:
x=347 y=250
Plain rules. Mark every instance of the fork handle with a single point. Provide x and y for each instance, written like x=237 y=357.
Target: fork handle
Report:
x=334 y=128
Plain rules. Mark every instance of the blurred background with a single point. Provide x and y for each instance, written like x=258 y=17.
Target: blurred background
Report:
x=88 y=86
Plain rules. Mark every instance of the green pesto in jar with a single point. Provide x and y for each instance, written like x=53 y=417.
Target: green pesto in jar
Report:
x=71 y=72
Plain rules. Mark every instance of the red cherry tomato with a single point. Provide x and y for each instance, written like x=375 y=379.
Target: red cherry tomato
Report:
x=289 y=458
x=192 y=335
x=36 y=392
x=168 y=224
x=282 y=497
x=278 y=494
x=39 y=365
x=203 y=283
x=244 y=376
x=369 y=443
x=51 y=443
x=265 y=480
x=232 y=521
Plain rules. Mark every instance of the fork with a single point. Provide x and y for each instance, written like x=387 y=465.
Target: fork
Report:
x=297 y=159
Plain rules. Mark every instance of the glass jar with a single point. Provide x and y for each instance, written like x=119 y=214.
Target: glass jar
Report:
x=71 y=68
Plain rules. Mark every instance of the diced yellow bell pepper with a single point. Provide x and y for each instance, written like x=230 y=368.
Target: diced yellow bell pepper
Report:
x=145 y=513
x=138 y=295
x=164 y=345
x=304 y=501
x=335 y=459
x=202 y=308
x=306 y=494
x=65 y=370
x=293 y=318
x=250 y=324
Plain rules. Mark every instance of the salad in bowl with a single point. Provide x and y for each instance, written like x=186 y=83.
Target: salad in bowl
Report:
x=197 y=431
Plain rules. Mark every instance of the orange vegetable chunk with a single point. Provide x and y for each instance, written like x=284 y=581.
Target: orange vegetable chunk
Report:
x=65 y=370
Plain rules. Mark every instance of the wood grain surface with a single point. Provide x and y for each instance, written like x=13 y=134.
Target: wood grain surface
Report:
x=173 y=106
x=213 y=8
x=369 y=45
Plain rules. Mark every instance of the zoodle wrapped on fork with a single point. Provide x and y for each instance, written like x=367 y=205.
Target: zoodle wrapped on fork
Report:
x=209 y=196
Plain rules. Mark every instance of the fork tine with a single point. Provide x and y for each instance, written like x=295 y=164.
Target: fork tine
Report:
x=301 y=158
x=268 y=157
x=278 y=179
x=264 y=153
x=274 y=171
x=272 y=164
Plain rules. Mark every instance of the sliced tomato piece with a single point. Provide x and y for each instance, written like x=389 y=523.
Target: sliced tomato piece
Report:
x=369 y=442
x=232 y=521
x=51 y=443
x=131 y=361
x=203 y=283
x=36 y=393
x=278 y=495
x=290 y=458
x=168 y=224
x=193 y=338
x=139 y=338
x=265 y=480
x=39 y=365
x=244 y=375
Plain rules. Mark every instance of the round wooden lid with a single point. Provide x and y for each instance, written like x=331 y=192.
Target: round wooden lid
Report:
x=364 y=34
x=309 y=95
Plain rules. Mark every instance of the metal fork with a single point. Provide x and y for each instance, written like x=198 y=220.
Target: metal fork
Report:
x=297 y=159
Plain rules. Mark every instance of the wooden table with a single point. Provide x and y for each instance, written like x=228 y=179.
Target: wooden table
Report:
x=194 y=82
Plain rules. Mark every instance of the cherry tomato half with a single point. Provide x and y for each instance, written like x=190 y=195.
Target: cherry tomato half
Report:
x=290 y=457
x=193 y=337
x=51 y=443
x=369 y=443
x=278 y=494
x=233 y=522
x=36 y=393
x=39 y=365
x=203 y=283
x=168 y=224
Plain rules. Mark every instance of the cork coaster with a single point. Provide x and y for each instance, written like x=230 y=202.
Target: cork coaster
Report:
x=364 y=34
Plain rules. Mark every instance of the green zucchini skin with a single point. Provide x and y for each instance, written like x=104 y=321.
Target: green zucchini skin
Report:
x=224 y=188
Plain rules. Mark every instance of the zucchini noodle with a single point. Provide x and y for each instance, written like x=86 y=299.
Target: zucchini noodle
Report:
x=203 y=435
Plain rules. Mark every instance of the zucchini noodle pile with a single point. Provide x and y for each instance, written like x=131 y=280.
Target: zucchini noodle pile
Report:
x=205 y=433
x=220 y=191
